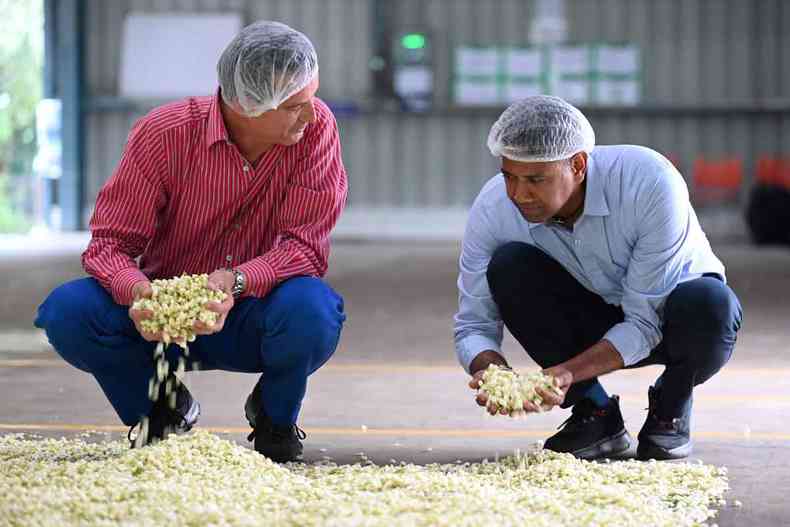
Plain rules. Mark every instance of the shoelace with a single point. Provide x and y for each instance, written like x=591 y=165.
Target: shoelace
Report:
x=578 y=418
x=282 y=434
x=672 y=424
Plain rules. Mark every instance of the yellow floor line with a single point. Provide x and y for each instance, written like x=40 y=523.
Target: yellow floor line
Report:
x=31 y=363
x=387 y=368
x=401 y=432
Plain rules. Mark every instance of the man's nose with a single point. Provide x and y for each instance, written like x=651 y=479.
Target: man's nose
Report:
x=308 y=114
x=523 y=194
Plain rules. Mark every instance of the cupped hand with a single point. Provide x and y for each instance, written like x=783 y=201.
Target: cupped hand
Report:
x=142 y=289
x=219 y=280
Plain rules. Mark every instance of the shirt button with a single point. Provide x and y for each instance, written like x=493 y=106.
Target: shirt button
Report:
x=236 y=226
x=577 y=243
x=246 y=168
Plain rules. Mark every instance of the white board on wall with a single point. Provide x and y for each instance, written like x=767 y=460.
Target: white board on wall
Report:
x=171 y=55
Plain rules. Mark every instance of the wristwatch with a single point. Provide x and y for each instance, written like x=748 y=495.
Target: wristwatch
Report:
x=239 y=283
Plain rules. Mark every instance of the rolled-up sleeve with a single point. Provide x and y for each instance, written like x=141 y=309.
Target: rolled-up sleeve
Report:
x=126 y=214
x=655 y=267
x=478 y=325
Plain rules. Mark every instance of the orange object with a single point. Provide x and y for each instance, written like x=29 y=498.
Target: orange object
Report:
x=717 y=181
x=773 y=171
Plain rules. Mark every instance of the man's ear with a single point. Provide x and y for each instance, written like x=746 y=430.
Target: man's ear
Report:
x=579 y=165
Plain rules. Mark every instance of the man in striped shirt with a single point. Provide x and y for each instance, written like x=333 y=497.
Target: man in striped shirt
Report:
x=245 y=185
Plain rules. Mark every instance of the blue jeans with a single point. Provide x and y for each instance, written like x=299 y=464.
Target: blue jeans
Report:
x=286 y=336
x=555 y=318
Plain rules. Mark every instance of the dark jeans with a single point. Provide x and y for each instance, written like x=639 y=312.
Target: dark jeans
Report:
x=555 y=318
x=286 y=336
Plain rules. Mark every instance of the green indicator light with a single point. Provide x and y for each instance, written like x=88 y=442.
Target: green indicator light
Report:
x=413 y=41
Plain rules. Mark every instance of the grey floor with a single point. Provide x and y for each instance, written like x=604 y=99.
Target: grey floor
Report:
x=393 y=389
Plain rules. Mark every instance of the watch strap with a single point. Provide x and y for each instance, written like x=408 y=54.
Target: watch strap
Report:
x=239 y=283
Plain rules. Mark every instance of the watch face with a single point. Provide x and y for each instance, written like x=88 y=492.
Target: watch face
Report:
x=238 y=283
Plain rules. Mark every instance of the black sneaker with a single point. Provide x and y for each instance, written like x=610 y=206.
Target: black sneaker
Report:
x=253 y=404
x=164 y=420
x=664 y=437
x=278 y=443
x=592 y=432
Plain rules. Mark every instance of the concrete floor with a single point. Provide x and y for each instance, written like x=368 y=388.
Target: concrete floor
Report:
x=393 y=389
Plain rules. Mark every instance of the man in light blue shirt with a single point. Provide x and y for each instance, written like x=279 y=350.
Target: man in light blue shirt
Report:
x=594 y=260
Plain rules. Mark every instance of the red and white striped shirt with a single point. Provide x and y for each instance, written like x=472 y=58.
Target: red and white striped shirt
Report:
x=184 y=200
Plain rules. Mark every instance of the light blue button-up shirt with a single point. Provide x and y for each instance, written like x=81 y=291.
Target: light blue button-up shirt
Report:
x=637 y=238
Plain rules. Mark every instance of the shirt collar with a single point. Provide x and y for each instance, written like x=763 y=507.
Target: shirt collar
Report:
x=216 y=131
x=594 y=197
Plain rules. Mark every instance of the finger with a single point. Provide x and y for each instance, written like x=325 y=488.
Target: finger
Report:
x=142 y=293
x=222 y=307
x=531 y=407
x=548 y=397
x=139 y=293
x=140 y=314
x=227 y=304
x=217 y=307
x=202 y=330
x=544 y=395
x=561 y=382
x=492 y=409
x=503 y=411
x=219 y=286
x=213 y=284
x=482 y=398
x=147 y=335
x=220 y=323
x=151 y=337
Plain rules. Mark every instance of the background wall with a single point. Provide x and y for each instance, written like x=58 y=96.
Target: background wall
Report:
x=716 y=85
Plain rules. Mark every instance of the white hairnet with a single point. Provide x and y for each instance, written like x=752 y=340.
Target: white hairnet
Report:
x=264 y=65
x=541 y=128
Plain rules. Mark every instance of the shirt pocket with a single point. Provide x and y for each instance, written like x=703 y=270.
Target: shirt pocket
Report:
x=302 y=205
